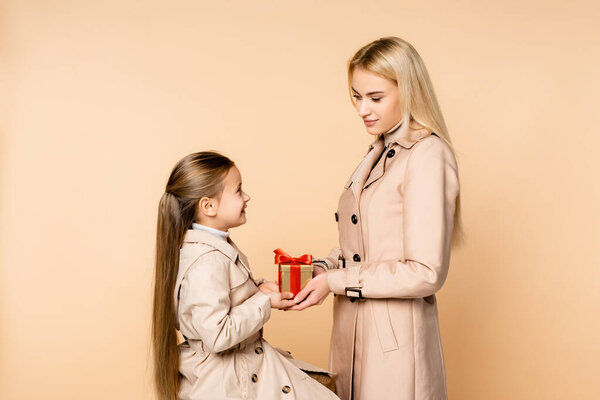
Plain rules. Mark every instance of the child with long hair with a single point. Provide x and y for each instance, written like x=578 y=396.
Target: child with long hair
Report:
x=205 y=290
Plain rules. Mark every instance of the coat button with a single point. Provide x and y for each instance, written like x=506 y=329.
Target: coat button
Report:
x=337 y=218
x=356 y=258
x=354 y=219
x=258 y=350
x=286 y=389
x=254 y=378
x=391 y=153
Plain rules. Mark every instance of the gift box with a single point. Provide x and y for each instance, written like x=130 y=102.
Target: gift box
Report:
x=293 y=272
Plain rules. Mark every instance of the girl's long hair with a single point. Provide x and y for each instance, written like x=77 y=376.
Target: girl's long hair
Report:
x=196 y=176
x=398 y=61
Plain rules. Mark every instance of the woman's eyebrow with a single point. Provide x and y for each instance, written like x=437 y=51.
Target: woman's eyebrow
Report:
x=370 y=93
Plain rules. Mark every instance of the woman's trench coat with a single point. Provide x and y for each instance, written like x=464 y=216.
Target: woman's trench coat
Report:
x=220 y=313
x=395 y=219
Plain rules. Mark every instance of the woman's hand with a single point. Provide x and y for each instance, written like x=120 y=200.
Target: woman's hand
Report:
x=315 y=292
x=318 y=270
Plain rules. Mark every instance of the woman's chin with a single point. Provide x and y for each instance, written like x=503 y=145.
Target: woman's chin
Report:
x=373 y=131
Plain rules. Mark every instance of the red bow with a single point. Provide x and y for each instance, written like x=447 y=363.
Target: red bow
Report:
x=281 y=257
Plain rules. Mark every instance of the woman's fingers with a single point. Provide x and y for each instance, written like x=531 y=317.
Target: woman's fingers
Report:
x=311 y=300
x=303 y=293
x=314 y=293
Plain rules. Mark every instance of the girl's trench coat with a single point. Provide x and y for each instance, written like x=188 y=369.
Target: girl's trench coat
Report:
x=220 y=313
x=395 y=219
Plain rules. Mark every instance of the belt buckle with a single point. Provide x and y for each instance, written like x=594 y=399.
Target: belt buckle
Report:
x=353 y=294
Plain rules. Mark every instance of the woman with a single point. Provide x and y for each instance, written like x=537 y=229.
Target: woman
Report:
x=397 y=216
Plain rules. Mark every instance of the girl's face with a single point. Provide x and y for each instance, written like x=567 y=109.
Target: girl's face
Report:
x=377 y=101
x=231 y=207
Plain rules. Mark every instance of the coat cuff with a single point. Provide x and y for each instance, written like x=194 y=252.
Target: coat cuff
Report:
x=260 y=281
x=340 y=279
x=263 y=301
x=336 y=279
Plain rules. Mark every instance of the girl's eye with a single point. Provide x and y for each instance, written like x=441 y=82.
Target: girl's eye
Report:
x=376 y=99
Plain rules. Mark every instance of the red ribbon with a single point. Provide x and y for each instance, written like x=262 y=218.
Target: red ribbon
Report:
x=281 y=257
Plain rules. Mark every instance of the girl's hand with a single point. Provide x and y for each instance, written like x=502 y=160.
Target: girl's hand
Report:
x=281 y=301
x=268 y=287
x=315 y=292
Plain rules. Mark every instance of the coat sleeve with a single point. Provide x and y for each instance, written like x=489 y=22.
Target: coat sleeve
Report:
x=205 y=311
x=329 y=262
x=430 y=190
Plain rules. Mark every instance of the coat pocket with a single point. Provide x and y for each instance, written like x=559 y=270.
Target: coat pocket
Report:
x=383 y=324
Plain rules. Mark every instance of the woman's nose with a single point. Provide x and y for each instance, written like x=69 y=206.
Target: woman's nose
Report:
x=363 y=109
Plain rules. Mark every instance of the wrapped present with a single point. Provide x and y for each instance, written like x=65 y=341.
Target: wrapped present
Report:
x=293 y=272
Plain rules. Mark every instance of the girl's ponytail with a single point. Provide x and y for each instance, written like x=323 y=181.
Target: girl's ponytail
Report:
x=164 y=336
x=195 y=176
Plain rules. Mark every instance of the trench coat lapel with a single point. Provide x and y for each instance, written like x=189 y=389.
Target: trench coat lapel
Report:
x=363 y=170
x=405 y=137
x=241 y=257
x=377 y=171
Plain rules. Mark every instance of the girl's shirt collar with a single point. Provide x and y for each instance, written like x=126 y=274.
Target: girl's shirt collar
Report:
x=215 y=232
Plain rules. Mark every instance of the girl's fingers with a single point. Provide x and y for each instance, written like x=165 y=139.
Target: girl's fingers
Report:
x=287 y=295
x=286 y=304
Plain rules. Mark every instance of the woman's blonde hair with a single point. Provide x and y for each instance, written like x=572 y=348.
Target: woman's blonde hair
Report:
x=195 y=176
x=398 y=61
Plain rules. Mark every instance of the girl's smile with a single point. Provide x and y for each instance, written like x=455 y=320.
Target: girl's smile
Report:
x=227 y=210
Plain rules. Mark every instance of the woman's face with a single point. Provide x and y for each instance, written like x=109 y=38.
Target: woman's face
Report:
x=376 y=100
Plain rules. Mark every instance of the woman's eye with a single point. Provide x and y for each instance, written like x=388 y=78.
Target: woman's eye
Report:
x=376 y=99
x=357 y=97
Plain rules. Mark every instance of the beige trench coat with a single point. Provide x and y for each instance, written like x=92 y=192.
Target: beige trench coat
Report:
x=395 y=226
x=220 y=313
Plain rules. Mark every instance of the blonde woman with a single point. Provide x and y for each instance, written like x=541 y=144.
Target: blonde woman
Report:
x=397 y=216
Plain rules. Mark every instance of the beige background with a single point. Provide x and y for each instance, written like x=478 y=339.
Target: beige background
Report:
x=100 y=99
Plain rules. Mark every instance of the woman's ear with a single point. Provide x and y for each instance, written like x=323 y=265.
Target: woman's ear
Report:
x=206 y=207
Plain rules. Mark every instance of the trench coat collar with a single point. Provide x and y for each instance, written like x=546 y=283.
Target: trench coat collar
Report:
x=226 y=247
x=402 y=134
x=405 y=135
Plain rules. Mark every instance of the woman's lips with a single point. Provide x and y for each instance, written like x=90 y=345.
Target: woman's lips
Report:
x=369 y=122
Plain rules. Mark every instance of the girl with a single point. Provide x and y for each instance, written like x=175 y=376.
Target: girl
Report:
x=397 y=216
x=205 y=290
